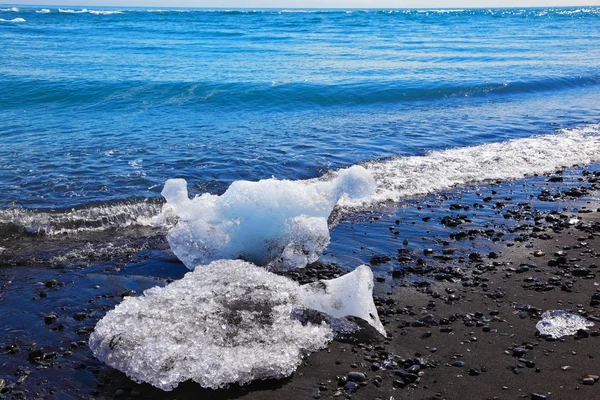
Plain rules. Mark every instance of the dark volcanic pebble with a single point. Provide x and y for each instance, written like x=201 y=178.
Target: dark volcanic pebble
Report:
x=50 y=318
x=351 y=387
x=36 y=355
x=356 y=376
x=51 y=283
x=518 y=352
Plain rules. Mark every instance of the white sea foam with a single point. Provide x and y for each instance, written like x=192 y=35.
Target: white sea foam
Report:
x=12 y=9
x=105 y=12
x=91 y=219
x=226 y=322
x=439 y=170
x=17 y=20
x=69 y=11
x=43 y=11
x=271 y=222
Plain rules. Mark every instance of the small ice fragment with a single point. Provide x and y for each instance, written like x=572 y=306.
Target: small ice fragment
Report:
x=226 y=322
x=573 y=221
x=348 y=295
x=272 y=222
x=558 y=323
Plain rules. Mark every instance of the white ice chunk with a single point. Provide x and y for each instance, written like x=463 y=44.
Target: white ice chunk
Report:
x=272 y=222
x=558 y=323
x=348 y=295
x=226 y=322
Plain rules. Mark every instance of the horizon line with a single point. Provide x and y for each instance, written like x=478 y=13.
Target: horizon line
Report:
x=297 y=8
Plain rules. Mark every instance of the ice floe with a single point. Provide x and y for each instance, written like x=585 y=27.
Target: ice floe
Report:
x=279 y=223
x=226 y=322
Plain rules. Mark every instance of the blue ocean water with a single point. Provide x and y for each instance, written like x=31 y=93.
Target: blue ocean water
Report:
x=102 y=106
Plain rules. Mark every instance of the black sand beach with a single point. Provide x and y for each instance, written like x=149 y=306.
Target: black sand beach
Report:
x=459 y=302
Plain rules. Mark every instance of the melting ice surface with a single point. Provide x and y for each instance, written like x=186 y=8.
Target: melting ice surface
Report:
x=558 y=323
x=273 y=222
x=226 y=322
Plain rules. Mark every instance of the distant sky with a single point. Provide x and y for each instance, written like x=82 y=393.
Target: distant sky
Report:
x=312 y=3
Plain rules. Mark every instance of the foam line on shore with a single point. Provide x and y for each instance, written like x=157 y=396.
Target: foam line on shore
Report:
x=89 y=219
x=404 y=177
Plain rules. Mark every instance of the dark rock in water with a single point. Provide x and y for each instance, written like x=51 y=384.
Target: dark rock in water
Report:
x=355 y=376
x=451 y=222
x=50 y=318
x=536 y=396
x=12 y=349
x=380 y=259
x=473 y=372
x=2 y=384
x=80 y=316
x=588 y=381
x=42 y=294
x=458 y=364
x=128 y=293
x=36 y=356
x=51 y=283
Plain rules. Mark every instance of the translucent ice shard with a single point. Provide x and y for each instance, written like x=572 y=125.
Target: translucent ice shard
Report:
x=558 y=323
x=226 y=322
x=348 y=295
x=271 y=222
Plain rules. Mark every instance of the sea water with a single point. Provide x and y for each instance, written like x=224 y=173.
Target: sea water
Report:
x=99 y=107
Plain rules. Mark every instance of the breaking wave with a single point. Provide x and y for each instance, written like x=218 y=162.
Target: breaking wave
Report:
x=439 y=170
x=396 y=178
x=89 y=219
x=12 y=20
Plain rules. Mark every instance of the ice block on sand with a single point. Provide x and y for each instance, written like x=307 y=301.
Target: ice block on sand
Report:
x=226 y=322
x=279 y=223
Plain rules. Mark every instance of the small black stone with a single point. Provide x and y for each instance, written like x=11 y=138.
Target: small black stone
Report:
x=355 y=376
x=80 y=316
x=518 y=352
x=51 y=283
x=351 y=387
x=36 y=355
x=50 y=318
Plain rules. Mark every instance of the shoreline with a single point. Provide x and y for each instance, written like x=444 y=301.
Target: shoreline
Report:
x=440 y=292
